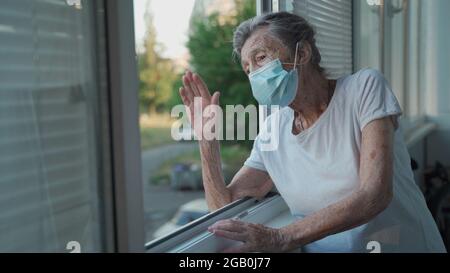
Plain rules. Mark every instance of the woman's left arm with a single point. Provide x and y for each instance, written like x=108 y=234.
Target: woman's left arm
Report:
x=372 y=197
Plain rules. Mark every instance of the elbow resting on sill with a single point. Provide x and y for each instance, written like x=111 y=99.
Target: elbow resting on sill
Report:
x=220 y=201
x=232 y=195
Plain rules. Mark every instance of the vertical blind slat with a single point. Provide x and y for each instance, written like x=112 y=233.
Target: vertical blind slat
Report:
x=332 y=20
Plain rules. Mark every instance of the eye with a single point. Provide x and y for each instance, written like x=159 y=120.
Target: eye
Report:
x=260 y=57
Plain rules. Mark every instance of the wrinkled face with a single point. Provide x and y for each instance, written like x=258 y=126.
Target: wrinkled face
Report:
x=261 y=48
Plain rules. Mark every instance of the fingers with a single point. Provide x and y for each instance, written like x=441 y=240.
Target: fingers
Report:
x=187 y=91
x=215 y=98
x=184 y=98
x=229 y=225
x=192 y=84
x=233 y=230
x=230 y=235
x=201 y=86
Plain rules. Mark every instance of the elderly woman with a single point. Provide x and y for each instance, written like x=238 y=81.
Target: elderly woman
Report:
x=341 y=164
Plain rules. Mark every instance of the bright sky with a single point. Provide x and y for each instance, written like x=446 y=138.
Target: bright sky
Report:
x=171 y=19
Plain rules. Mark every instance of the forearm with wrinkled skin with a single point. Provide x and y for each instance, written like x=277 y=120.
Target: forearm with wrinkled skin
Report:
x=216 y=192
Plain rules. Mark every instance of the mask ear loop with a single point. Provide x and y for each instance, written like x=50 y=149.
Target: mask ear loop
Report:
x=296 y=54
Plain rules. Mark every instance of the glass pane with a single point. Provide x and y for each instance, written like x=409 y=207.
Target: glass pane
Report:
x=406 y=40
x=366 y=33
x=286 y=5
x=395 y=47
x=200 y=41
x=414 y=67
x=52 y=134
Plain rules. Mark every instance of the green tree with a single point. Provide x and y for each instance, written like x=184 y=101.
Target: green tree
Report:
x=156 y=74
x=210 y=47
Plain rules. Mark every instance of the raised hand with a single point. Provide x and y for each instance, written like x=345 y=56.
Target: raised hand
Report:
x=195 y=87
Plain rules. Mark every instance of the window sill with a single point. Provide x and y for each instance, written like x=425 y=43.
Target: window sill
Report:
x=418 y=133
x=194 y=237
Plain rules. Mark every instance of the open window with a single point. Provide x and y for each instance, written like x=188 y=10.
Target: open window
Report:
x=333 y=20
x=171 y=169
x=350 y=35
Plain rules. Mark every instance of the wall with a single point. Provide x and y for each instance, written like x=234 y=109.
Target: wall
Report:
x=436 y=76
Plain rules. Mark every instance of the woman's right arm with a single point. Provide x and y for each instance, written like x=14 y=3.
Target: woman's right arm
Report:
x=247 y=182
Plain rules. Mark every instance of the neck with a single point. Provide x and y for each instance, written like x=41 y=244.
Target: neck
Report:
x=313 y=94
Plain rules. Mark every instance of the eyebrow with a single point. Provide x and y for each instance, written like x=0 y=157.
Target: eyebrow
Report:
x=252 y=53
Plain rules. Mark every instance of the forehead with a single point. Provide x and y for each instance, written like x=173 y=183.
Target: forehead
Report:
x=259 y=40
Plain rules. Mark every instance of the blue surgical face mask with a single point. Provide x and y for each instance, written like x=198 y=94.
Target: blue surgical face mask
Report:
x=272 y=85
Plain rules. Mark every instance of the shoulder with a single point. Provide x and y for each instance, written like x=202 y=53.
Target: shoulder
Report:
x=363 y=83
x=368 y=73
x=360 y=79
x=368 y=76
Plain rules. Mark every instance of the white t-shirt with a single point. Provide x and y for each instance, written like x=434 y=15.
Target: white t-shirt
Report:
x=320 y=167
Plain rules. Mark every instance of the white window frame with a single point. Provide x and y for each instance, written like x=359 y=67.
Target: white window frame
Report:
x=195 y=238
x=126 y=153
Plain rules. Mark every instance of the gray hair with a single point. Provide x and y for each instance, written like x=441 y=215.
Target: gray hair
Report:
x=287 y=27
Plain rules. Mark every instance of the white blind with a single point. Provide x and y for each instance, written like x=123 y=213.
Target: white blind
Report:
x=47 y=161
x=332 y=20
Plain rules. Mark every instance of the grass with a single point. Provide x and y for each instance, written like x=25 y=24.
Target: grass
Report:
x=155 y=129
x=233 y=157
x=154 y=137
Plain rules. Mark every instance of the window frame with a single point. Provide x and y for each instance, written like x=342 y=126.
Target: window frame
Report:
x=97 y=121
x=127 y=199
x=178 y=240
x=194 y=237
x=417 y=129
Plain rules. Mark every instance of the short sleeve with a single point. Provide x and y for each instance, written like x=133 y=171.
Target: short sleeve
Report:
x=255 y=160
x=376 y=99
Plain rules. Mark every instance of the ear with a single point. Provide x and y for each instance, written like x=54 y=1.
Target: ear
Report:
x=305 y=53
